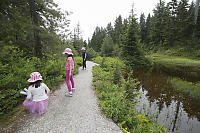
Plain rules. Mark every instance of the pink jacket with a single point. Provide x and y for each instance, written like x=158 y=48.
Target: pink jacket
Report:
x=67 y=63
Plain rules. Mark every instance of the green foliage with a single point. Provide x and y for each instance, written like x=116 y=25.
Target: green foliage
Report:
x=91 y=53
x=117 y=30
x=108 y=40
x=97 y=39
x=116 y=51
x=108 y=63
x=189 y=88
x=78 y=44
x=174 y=60
x=15 y=70
x=178 y=66
x=31 y=25
x=117 y=75
x=171 y=26
x=29 y=40
x=131 y=52
x=142 y=28
x=107 y=46
x=117 y=100
x=183 y=67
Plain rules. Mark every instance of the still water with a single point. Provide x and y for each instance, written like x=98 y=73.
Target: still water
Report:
x=162 y=103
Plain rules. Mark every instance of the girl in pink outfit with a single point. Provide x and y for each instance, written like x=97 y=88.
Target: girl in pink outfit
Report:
x=37 y=95
x=69 y=67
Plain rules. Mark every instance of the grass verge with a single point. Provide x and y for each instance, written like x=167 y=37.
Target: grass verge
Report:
x=185 y=72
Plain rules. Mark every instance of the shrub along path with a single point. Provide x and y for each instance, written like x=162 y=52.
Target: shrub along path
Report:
x=77 y=114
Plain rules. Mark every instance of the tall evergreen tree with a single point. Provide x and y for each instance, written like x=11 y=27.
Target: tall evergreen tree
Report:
x=148 y=30
x=107 y=46
x=182 y=14
x=117 y=30
x=97 y=39
x=188 y=29
x=161 y=26
x=197 y=33
x=30 y=24
x=110 y=30
x=130 y=49
x=142 y=28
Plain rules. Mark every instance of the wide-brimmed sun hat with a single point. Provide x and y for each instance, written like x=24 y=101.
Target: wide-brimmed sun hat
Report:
x=35 y=76
x=83 y=48
x=68 y=51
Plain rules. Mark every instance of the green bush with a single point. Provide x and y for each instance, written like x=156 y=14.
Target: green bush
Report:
x=117 y=100
x=91 y=53
x=16 y=69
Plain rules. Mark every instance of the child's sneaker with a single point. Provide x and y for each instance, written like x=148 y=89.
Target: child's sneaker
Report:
x=69 y=94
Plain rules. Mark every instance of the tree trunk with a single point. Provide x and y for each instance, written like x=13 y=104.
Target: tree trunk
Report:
x=37 y=40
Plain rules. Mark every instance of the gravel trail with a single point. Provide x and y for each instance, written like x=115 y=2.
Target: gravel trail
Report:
x=77 y=114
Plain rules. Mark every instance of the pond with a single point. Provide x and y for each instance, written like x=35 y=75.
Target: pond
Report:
x=162 y=103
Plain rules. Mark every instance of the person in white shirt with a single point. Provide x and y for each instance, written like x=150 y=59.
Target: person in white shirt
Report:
x=37 y=95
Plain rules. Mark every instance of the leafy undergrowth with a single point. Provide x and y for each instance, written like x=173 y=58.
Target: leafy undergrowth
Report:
x=117 y=97
x=15 y=69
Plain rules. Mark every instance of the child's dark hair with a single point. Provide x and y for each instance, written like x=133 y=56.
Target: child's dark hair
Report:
x=71 y=56
x=36 y=84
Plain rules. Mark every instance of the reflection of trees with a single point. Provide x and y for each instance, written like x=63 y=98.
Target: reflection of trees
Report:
x=155 y=82
x=176 y=115
x=188 y=73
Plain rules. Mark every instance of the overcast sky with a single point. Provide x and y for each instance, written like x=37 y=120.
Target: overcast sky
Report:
x=92 y=13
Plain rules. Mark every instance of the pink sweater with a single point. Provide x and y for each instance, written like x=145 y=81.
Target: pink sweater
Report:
x=67 y=63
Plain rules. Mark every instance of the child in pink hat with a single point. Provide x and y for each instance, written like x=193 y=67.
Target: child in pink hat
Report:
x=37 y=95
x=69 y=67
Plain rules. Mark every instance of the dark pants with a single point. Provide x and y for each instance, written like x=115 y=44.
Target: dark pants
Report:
x=84 y=64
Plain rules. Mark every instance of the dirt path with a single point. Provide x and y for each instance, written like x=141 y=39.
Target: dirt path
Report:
x=77 y=114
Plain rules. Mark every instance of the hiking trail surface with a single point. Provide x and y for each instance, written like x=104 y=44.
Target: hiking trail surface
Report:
x=77 y=114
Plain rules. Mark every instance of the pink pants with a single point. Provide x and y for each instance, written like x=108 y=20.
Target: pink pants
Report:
x=68 y=79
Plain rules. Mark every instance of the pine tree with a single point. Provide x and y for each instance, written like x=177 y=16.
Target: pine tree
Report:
x=182 y=14
x=97 y=39
x=130 y=49
x=31 y=25
x=148 y=31
x=110 y=30
x=117 y=30
x=142 y=28
x=107 y=46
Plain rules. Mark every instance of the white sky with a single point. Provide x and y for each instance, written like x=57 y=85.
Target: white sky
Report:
x=92 y=13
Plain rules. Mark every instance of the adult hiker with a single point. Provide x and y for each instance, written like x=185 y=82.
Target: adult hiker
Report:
x=84 y=56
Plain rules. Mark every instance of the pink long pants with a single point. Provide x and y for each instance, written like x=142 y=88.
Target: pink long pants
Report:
x=68 y=79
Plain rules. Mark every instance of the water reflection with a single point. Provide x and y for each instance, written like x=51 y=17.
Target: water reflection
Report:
x=165 y=105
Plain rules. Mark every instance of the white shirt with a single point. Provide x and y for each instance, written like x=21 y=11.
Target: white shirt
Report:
x=38 y=94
